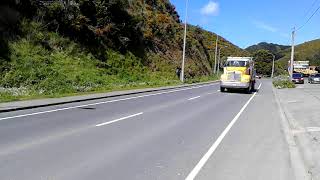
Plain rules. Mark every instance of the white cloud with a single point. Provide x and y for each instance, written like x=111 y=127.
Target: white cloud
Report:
x=210 y=9
x=264 y=26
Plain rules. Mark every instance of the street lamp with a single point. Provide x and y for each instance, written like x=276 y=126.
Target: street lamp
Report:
x=218 y=67
x=184 y=43
x=272 y=72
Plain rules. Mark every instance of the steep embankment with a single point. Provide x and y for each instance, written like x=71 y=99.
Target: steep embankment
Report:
x=61 y=47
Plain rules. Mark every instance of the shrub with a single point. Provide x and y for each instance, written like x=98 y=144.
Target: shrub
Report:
x=281 y=82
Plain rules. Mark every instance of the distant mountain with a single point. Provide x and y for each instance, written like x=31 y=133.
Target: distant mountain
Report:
x=273 y=48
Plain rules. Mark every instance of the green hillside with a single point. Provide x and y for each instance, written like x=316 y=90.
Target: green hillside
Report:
x=63 y=47
x=308 y=51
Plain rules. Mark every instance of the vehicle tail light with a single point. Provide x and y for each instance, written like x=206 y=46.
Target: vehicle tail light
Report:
x=248 y=71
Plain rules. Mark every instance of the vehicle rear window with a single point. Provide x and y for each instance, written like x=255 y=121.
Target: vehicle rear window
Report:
x=236 y=63
x=297 y=75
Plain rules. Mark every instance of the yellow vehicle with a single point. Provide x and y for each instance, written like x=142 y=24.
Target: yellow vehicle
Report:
x=304 y=68
x=239 y=73
x=305 y=72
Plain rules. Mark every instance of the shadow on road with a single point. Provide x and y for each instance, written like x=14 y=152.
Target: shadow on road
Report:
x=235 y=91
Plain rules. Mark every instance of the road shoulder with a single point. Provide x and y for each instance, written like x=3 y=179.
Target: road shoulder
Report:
x=30 y=104
x=255 y=147
x=297 y=162
x=300 y=107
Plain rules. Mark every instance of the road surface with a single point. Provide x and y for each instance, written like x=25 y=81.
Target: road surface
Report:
x=190 y=133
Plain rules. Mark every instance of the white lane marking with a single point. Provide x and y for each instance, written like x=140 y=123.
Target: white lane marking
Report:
x=313 y=129
x=206 y=157
x=120 y=119
x=103 y=102
x=194 y=98
x=294 y=101
x=214 y=92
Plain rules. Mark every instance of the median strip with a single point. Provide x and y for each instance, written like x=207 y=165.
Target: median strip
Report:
x=120 y=119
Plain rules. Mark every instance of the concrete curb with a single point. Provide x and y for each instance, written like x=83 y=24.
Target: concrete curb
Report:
x=297 y=158
x=302 y=142
x=125 y=93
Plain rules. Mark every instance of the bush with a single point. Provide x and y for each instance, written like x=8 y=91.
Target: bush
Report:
x=52 y=72
x=281 y=82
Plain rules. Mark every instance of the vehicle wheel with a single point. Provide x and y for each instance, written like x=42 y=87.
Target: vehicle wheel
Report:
x=248 y=90
x=253 y=86
x=222 y=89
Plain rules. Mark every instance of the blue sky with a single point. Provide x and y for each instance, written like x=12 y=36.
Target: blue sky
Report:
x=248 y=22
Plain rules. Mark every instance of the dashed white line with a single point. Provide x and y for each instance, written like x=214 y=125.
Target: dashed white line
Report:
x=193 y=98
x=212 y=149
x=211 y=93
x=120 y=119
x=103 y=102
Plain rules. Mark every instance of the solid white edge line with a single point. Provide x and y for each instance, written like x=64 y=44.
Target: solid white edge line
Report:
x=104 y=102
x=120 y=119
x=194 y=98
x=212 y=149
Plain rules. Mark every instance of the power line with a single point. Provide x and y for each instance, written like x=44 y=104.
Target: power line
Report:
x=309 y=10
x=309 y=18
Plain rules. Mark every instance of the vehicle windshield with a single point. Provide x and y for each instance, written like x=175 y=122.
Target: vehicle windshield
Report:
x=316 y=75
x=236 y=63
x=297 y=75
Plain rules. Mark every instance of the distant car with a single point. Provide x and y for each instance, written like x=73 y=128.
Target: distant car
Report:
x=297 y=78
x=314 y=78
x=258 y=76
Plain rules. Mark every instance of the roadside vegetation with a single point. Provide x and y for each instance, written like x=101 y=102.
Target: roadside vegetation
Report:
x=263 y=64
x=281 y=82
x=58 y=48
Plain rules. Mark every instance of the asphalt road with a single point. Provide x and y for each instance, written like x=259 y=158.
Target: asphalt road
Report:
x=189 y=133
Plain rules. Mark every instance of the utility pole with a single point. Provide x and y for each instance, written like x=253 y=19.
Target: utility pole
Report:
x=184 y=43
x=292 y=53
x=219 y=59
x=215 y=56
x=272 y=72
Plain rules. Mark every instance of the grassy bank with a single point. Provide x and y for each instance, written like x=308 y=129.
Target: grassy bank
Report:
x=45 y=64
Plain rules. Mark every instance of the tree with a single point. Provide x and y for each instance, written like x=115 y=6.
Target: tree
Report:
x=9 y=18
x=263 y=56
x=263 y=60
